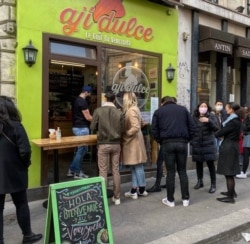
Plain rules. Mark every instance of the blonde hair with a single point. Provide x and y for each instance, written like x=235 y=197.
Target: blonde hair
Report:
x=129 y=100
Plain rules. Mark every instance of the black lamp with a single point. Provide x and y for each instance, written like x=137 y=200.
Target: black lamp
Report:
x=30 y=53
x=170 y=73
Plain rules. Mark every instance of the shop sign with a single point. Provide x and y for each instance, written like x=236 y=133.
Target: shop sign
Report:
x=215 y=45
x=131 y=79
x=242 y=52
x=107 y=16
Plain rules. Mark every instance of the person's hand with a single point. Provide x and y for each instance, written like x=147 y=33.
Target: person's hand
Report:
x=204 y=120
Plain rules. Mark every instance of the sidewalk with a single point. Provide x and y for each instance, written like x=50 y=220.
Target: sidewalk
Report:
x=147 y=220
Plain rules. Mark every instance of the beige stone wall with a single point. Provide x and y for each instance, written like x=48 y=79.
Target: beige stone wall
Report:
x=7 y=47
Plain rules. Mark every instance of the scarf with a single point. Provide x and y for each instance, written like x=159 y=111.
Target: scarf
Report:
x=230 y=117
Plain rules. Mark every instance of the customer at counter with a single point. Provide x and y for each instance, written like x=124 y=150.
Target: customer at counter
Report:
x=81 y=122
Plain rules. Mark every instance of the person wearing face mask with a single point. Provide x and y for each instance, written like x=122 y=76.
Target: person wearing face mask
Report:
x=203 y=144
x=221 y=116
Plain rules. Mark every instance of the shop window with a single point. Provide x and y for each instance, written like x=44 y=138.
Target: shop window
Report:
x=136 y=72
x=204 y=83
x=73 y=50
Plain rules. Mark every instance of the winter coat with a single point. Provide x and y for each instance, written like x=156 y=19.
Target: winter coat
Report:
x=203 y=143
x=14 y=159
x=172 y=122
x=108 y=121
x=228 y=163
x=133 y=147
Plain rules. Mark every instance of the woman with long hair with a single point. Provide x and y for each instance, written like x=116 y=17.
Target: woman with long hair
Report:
x=15 y=155
x=134 y=152
x=228 y=163
x=204 y=144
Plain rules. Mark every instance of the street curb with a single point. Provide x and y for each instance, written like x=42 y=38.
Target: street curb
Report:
x=203 y=232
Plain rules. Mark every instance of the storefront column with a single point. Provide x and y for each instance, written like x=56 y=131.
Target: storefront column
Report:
x=194 y=58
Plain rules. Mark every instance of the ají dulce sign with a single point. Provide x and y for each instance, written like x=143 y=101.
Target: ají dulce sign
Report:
x=107 y=15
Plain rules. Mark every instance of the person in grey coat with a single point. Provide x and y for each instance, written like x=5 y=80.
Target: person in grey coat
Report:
x=228 y=163
x=15 y=160
x=204 y=144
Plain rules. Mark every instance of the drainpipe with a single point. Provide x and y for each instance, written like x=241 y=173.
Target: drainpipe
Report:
x=194 y=59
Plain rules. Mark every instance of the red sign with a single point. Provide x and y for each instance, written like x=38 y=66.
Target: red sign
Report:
x=107 y=15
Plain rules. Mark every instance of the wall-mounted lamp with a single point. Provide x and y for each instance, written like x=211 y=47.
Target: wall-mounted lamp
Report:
x=170 y=73
x=30 y=53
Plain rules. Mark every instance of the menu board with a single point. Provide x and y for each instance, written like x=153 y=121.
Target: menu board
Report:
x=78 y=213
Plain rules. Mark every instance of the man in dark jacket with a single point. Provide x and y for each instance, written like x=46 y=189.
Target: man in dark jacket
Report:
x=108 y=121
x=173 y=127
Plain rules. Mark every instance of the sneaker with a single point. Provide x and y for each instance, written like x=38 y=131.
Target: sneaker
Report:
x=70 y=173
x=166 y=202
x=132 y=195
x=80 y=175
x=117 y=201
x=185 y=203
x=241 y=175
x=144 y=194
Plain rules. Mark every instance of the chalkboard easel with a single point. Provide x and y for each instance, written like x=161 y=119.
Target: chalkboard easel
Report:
x=78 y=213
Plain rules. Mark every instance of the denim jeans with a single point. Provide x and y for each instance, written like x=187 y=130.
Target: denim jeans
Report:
x=76 y=164
x=175 y=157
x=138 y=175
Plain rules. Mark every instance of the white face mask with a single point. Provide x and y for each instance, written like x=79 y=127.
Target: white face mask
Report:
x=202 y=110
x=218 y=108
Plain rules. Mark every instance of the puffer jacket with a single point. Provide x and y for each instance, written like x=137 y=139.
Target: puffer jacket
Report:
x=203 y=143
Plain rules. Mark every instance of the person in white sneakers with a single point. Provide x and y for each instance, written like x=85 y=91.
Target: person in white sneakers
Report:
x=133 y=147
x=246 y=146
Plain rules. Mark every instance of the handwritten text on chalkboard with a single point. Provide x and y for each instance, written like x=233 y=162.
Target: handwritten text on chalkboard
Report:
x=81 y=214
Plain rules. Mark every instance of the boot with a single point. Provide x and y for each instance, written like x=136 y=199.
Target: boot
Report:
x=199 y=184
x=156 y=187
x=212 y=188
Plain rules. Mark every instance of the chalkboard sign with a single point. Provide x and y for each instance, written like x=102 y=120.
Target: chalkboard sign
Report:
x=78 y=213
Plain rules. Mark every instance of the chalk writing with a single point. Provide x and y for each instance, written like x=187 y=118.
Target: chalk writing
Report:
x=81 y=214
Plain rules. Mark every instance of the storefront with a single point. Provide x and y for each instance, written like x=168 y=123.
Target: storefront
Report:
x=107 y=44
x=223 y=66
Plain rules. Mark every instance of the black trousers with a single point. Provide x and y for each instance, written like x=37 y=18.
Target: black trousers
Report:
x=211 y=167
x=175 y=157
x=246 y=156
x=22 y=212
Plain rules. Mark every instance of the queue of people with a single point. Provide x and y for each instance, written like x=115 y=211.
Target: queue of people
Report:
x=173 y=127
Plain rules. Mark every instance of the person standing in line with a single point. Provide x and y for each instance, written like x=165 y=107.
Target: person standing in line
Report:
x=108 y=121
x=204 y=145
x=15 y=159
x=159 y=171
x=133 y=147
x=173 y=127
x=220 y=115
x=228 y=163
x=81 y=122
x=246 y=145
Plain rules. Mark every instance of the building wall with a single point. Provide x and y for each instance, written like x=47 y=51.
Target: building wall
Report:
x=7 y=47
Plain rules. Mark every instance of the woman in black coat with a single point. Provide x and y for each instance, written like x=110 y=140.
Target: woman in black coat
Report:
x=15 y=157
x=204 y=144
x=228 y=163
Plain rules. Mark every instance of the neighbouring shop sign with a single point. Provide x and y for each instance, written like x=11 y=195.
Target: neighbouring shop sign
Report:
x=242 y=52
x=107 y=16
x=215 y=45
